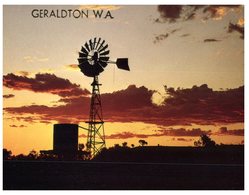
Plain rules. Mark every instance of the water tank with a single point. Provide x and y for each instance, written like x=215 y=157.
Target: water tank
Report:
x=66 y=140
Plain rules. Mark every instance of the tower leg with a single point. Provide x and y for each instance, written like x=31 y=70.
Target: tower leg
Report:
x=96 y=133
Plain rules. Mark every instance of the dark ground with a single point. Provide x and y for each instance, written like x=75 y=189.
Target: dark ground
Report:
x=194 y=172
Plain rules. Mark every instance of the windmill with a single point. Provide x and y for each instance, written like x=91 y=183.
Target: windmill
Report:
x=93 y=58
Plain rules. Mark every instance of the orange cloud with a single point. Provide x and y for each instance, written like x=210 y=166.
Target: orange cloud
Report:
x=241 y=22
x=72 y=67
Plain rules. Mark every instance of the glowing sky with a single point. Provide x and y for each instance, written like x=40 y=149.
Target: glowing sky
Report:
x=177 y=46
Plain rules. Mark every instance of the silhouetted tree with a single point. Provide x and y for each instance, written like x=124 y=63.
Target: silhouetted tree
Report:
x=6 y=154
x=81 y=147
x=20 y=157
x=205 y=141
x=198 y=143
x=142 y=142
x=33 y=155
x=124 y=144
x=132 y=145
x=116 y=145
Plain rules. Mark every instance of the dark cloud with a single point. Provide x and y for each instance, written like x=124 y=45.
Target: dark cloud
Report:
x=73 y=112
x=184 y=139
x=170 y=12
x=126 y=135
x=225 y=131
x=13 y=126
x=237 y=28
x=197 y=105
x=20 y=126
x=44 y=83
x=160 y=37
x=210 y=40
x=174 y=30
x=185 y=35
x=182 y=132
x=181 y=13
x=202 y=105
x=132 y=98
x=8 y=96
x=174 y=13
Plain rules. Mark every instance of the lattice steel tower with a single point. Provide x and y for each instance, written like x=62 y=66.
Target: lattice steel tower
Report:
x=96 y=133
x=93 y=58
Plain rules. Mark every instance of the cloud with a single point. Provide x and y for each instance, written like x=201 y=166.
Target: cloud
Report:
x=182 y=13
x=23 y=73
x=237 y=28
x=15 y=126
x=241 y=22
x=72 y=112
x=44 y=83
x=202 y=105
x=210 y=40
x=159 y=133
x=195 y=132
x=225 y=131
x=176 y=13
x=72 y=66
x=116 y=106
x=197 y=105
x=8 y=96
x=126 y=135
x=160 y=37
x=184 y=139
x=32 y=59
x=215 y=12
x=131 y=98
x=185 y=35
x=170 y=12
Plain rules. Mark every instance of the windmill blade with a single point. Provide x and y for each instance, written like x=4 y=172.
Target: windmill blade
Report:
x=87 y=69
x=98 y=68
x=83 y=50
x=87 y=47
x=82 y=55
x=82 y=60
x=100 y=45
x=94 y=42
x=103 y=48
x=104 y=59
x=103 y=64
x=91 y=44
x=105 y=53
x=122 y=63
x=97 y=43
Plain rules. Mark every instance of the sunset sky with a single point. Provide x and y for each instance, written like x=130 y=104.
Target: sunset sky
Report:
x=186 y=78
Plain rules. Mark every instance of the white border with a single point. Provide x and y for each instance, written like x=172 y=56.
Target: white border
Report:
x=144 y=2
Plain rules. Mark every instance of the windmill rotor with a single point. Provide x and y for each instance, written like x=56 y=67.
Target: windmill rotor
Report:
x=94 y=57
